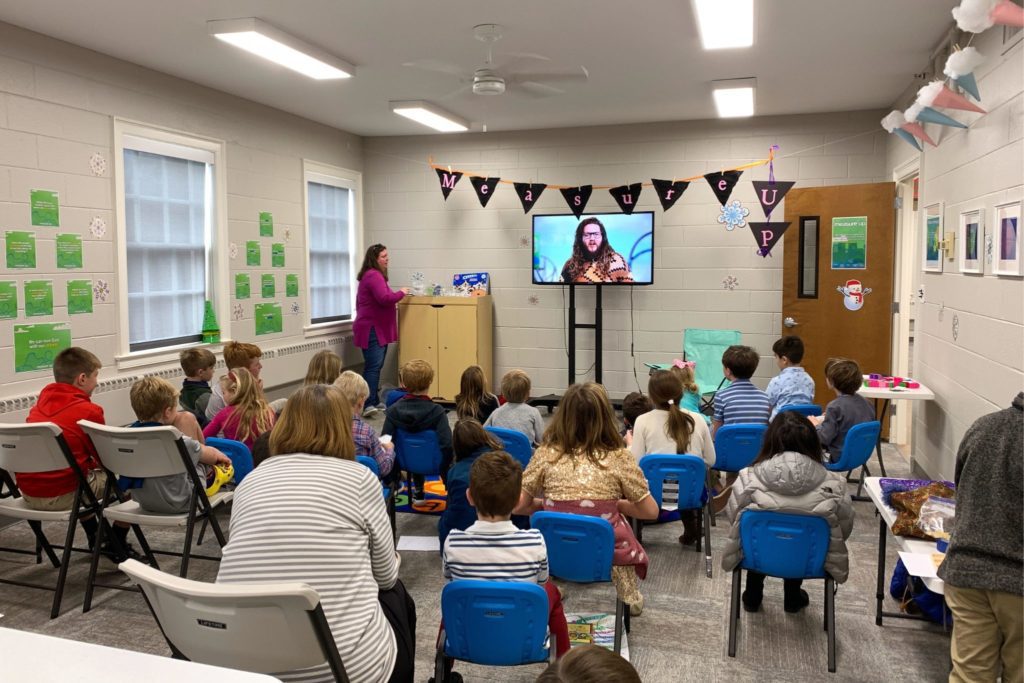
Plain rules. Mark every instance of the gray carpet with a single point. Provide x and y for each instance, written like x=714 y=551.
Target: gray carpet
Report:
x=681 y=636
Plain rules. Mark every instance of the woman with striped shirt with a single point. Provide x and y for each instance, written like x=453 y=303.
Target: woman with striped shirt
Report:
x=311 y=514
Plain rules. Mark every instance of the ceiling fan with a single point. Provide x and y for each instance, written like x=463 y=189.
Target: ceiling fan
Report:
x=496 y=79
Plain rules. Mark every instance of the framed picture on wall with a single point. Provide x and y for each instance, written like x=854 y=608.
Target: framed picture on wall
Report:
x=970 y=245
x=1007 y=243
x=933 y=238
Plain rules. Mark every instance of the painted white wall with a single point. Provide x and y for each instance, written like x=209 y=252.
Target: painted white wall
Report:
x=693 y=253
x=982 y=368
x=57 y=104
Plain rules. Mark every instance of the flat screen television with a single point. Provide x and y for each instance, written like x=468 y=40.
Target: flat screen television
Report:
x=594 y=249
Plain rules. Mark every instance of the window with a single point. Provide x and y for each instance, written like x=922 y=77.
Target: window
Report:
x=168 y=219
x=808 y=285
x=332 y=202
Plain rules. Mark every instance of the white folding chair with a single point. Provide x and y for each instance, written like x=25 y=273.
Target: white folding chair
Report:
x=40 y=447
x=259 y=627
x=150 y=452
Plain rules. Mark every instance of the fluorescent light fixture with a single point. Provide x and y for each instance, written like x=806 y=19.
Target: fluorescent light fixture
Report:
x=266 y=41
x=429 y=115
x=725 y=23
x=734 y=97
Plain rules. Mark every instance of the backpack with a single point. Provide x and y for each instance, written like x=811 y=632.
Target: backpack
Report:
x=915 y=598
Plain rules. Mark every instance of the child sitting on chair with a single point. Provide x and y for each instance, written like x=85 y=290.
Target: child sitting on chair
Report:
x=155 y=403
x=493 y=549
x=690 y=400
x=247 y=414
x=473 y=399
x=848 y=408
x=516 y=414
x=792 y=386
x=197 y=364
x=788 y=476
x=469 y=440
x=740 y=402
x=634 y=405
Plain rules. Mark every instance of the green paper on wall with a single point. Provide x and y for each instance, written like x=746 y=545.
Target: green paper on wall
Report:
x=35 y=346
x=45 y=208
x=38 y=297
x=252 y=253
x=277 y=256
x=69 y=250
x=266 y=224
x=291 y=285
x=268 y=318
x=21 y=249
x=849 y=242
x=268 y=287
x=241 y=285
x=79 y=296
x=8 y=300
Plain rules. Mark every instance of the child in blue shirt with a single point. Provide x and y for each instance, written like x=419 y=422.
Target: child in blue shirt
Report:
x=792 y=386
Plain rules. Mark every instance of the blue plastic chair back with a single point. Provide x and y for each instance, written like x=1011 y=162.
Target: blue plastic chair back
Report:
x=784 y=545
x=580 y=548
x=237 y=452
x=494 y=622
x=736 y=446
x=688 y=470
x=516 y=443
x=705 y=347
x=369 y=463
x=805 y=409
x=418 y=452
x=858 y=446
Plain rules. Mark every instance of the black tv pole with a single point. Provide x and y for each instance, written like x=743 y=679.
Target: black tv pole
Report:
x=551 y=400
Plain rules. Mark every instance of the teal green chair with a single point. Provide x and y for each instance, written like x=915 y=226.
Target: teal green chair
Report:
x=705 y=348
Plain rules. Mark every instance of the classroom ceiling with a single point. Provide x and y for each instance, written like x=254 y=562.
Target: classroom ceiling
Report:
x=644 y=58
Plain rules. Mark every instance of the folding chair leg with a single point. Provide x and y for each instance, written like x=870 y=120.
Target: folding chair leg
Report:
x=734 y=611
x=43 y=545
x=202 y=531
x=440 y=661
x=620 y=609
x=65 y=561
x=830 y=616
x=706 y=515
x=218 y=533
x=144 y=544
x=186 y=552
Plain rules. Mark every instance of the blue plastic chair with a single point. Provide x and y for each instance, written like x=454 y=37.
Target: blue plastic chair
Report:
x=690 y=473
x=492 y=623
x=516 y=443
x=238 y=452
x=787 y=546
x=581 y=549
x=736 y=446
x=389 y=491
x=417 y=453
x=858 y=446
x=805 y=409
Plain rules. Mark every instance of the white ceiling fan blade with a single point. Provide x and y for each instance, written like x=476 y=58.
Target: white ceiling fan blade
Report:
x=574 y=76
x=536 y=89
x=458 y=91
x=439 y=67
x=515 y=59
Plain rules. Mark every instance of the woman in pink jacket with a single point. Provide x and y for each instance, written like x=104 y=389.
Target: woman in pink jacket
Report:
x=376 y=323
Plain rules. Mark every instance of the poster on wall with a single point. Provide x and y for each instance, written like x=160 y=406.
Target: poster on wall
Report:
x=8 y=300
x=266 y=224
x=241 y=285
x=268 y=319
x=291 y=285
x=268 y=288
x=20 y=249
x=45 y=208
x=933 y=238
x=969 y=242
x=277 y=255
x=35 y=346
x=1008 y=246
x=69 y=250
x=850 y=243
x=38 y=297
x=252 y=253
x=79 y=296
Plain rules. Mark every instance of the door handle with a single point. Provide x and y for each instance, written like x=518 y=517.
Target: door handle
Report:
x=788 y=321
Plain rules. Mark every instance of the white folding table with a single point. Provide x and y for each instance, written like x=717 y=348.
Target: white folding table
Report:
x=882 y=398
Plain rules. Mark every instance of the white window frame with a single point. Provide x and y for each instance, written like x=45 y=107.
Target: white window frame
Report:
x=326 y=174
x=137 y=135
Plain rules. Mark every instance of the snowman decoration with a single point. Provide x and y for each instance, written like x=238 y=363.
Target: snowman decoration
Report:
x=853 y=294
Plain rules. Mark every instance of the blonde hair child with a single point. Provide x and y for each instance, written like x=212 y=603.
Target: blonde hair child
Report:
x=249 y=415
x=324 y=368
x=473 y=399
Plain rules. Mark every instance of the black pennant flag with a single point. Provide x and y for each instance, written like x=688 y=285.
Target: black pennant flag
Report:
x=448 y=180
x=484 y=188
x=771 y=193
x=626 y=196
x=577 y=198
x=722 y=184
x=529 y=193
x=669 y=191
x=767 y=234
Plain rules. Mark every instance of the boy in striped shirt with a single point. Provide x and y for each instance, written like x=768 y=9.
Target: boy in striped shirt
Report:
x=493 y=548
x=740 y=402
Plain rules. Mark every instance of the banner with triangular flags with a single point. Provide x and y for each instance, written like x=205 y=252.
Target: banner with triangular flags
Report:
x=449 y=179
x=770 y=193
x=529 y=193
x=626 y=196
x=669 y=191
x=767 y=234
x=577 y=198
x=722 y=183
x=484 y=188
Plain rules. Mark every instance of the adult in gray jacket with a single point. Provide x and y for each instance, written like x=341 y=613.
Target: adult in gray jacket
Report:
x=984 y=566
x=788 y=476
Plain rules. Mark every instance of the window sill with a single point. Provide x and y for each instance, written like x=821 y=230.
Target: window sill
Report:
x=327 y=329
x=162 y=356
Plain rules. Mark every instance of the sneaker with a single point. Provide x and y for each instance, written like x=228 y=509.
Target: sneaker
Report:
x=798 y=603
x=370 y=411
x=107 y=551
x=637 y=608
x=381 y=407
x=418 y=495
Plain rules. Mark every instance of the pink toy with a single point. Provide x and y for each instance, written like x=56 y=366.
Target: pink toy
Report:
x=912 y=385
x=876 y=383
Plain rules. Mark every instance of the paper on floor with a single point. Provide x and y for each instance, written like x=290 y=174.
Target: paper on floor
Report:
x=419 y=543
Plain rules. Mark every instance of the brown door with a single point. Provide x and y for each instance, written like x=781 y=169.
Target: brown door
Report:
x=839 y=245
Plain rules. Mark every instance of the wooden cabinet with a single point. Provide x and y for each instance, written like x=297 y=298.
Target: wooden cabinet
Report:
x=449 y=332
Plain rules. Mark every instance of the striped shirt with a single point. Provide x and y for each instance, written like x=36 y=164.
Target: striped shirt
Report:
x=742 y=403
x=495 y=551
x=321 y=521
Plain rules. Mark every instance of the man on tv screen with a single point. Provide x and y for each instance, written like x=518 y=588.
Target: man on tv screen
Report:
x=593 y=259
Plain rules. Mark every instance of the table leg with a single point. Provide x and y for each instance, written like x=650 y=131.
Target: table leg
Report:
x=880 y=588
x=881 y=419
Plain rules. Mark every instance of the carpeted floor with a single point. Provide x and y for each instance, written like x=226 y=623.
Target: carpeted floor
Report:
x=681 y=636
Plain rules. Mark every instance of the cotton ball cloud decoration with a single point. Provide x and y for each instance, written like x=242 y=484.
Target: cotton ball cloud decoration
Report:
x=977 y=16
x=895 y=122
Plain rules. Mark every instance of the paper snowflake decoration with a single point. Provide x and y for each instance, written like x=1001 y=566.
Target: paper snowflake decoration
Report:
x=733 y=215
x=233 y=250
x=988 y=248
x=97 y=164
x=295 y=308
x=97 y=227
x=730 y=282
x=533 y=299
x=100 y=291
x=237 y=312
x=956 y=327
x=287 y=234
x=524 y=241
